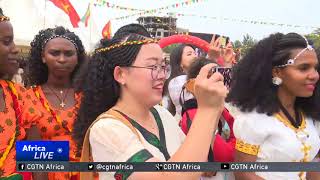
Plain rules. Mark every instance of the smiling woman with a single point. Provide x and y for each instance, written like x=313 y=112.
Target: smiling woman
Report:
x=55 y=57
x=125 y=82
x=276 y=88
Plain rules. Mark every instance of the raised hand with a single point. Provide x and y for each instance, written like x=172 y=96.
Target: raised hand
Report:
x=214 y=48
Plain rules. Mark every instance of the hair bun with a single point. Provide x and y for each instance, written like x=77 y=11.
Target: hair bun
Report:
x=59 y=30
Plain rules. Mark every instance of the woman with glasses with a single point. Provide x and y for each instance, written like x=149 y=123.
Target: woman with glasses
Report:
x=276 y=88
x=123 y=87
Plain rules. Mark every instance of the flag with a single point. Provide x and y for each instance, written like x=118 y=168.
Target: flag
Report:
x=67 y=7
x=106 y=31
x=86 y=16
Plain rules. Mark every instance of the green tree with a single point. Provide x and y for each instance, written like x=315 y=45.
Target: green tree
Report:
x=247 y=43
x=169 y=49
x=237 y=44
x=315 y=37
x=244 y=45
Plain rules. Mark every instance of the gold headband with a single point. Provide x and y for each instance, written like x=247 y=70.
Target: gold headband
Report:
x=4 y=18
x=126 y=43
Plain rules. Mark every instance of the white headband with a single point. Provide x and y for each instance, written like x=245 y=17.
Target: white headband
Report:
x=59 y=36
x=291 y=61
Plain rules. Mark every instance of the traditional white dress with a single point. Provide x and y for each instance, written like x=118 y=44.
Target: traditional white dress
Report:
x=113 y=141
x=274 y=139
x=175 y=88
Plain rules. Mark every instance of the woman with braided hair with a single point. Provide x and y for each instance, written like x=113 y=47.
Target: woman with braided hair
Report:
x=125 y=78
x=55 y=57
x=16 y=112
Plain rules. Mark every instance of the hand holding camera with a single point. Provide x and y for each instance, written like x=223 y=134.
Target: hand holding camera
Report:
x=209 y=90
x=225 y=72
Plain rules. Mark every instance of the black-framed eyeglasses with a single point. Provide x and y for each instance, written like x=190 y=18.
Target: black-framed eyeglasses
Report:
x=156 y=69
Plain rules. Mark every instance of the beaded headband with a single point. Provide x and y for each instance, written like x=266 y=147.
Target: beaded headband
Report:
x=291 y=61
x=59 y=36
x=4 y=18
x=126 y=43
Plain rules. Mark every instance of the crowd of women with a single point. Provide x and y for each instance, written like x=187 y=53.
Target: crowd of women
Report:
x=265 y=108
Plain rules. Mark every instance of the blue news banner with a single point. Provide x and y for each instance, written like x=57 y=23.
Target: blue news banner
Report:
x=53 y=156
x=42 y=150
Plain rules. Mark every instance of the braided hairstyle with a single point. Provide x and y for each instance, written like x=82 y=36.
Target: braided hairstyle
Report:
x=37 y=71
x=252 y=88
x=132 y=28
x=101 y=91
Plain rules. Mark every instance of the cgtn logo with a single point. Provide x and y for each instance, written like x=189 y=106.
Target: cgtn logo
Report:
x=42 y=150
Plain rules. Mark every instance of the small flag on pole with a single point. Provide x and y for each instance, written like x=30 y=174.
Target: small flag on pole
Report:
x=86 y=16
x=106 y=31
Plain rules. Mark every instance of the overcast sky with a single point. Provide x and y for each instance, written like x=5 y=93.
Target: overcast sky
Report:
x=30 y=16
x=304 y=13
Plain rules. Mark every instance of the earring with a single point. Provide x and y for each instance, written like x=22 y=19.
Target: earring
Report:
x=182 y=68
x=276 y=81
x=43 y=60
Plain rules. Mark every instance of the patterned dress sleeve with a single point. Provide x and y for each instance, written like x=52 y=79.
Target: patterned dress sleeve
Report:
x=250 y=130
x=113 y=141
x=30 y=113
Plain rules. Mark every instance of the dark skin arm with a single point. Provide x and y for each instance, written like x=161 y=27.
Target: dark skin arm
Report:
x=314 y=175
x=34 y=134
x=243 y=157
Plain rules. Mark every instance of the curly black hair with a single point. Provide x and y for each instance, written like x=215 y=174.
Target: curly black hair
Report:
x=100 y=90
x=252 y=88
x=37 y=71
